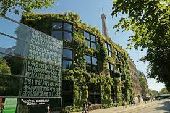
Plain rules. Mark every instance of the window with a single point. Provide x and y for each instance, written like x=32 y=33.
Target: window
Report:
x=62 y=31
x=109 y=50
x=67 y=64
x=87 y=35
x=57 y=34
x=67 y=53
x=67 y=92
x=67 y=58
x=57 y=26
x=91 y=62
x=68 y=36
x=113 y=94
x=90 y=40
x=110 y=67
x=67 y=27
x=94 y=93
x=88 y=59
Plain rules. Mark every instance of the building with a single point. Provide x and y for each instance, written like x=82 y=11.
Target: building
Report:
x=135 y=78
x=95 y=69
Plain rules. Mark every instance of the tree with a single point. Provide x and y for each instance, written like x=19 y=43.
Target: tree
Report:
x=4 y=68
x=25 y=5
x=153 y=93
x=163 y=91
x=149 y=21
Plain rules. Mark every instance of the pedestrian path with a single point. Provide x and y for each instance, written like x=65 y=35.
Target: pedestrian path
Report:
x=122 y=109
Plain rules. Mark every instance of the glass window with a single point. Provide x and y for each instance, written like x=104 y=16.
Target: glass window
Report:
x=109 y=53
x=57 y=26
x=105 y=45
x=94 y=68
x=67 y=27
x=93 y=45
x=109 y=50
x=91 y=63
x=87 y=35
x=88 y=43
x=57 y=34
x=68 y=36
x=93 y=38
x=67 y=64
x=67 y=53
x=94 y=61
x=88 y=59
x=111 y=67
x=109 y=47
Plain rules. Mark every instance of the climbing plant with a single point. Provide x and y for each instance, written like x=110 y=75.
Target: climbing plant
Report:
x=78 y=73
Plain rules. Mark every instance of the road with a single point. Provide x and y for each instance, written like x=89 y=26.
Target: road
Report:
x=162 y=106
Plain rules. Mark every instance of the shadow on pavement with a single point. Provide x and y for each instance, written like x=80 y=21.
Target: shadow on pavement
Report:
x=165 y=106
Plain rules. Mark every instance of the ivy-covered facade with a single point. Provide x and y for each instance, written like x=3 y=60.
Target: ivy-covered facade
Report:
x=95 y=69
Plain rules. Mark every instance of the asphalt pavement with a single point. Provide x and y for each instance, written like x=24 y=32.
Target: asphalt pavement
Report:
x=158 y=106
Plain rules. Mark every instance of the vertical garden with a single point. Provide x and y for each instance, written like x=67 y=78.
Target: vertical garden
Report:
x=95 y=69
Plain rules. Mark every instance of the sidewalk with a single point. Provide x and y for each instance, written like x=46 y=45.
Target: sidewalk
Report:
x=122 y=109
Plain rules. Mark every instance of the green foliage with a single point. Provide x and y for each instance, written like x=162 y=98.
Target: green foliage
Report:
x=149 y=21
x=143 y=83
x=25 y=5
x=78 y=73
x=164 y=91
x=4 y=68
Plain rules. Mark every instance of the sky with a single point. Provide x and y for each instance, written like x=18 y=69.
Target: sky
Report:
x=90 y=12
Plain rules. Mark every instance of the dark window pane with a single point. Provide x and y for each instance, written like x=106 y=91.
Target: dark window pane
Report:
x=93 y=38
x=88 y=59
x=68 y=36
x=67 y=53
x=94 y=61
x=67 y=92
x=93 y=45
x=57 y=34
x=67 y=27
x=57 y=26
x=88 y=67
x=88 y=43
x=111 y=67
x=67 y=64
x=87 y=35
x=94 y=68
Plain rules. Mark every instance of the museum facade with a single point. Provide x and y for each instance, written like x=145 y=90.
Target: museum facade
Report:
x=94 y=68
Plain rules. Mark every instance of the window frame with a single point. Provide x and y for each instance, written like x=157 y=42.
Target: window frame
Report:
x=67 y=58
x=109 y=66
x=109 y=49
x=90 y=39
x=91 y=65
x=63 y=30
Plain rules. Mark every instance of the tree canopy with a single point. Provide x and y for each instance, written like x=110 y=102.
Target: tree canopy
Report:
x=164 y=91
x=25 y=5
x=149 y=21
x=4 y=68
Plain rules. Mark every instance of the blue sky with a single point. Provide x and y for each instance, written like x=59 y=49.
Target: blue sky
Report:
x=90 y=12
